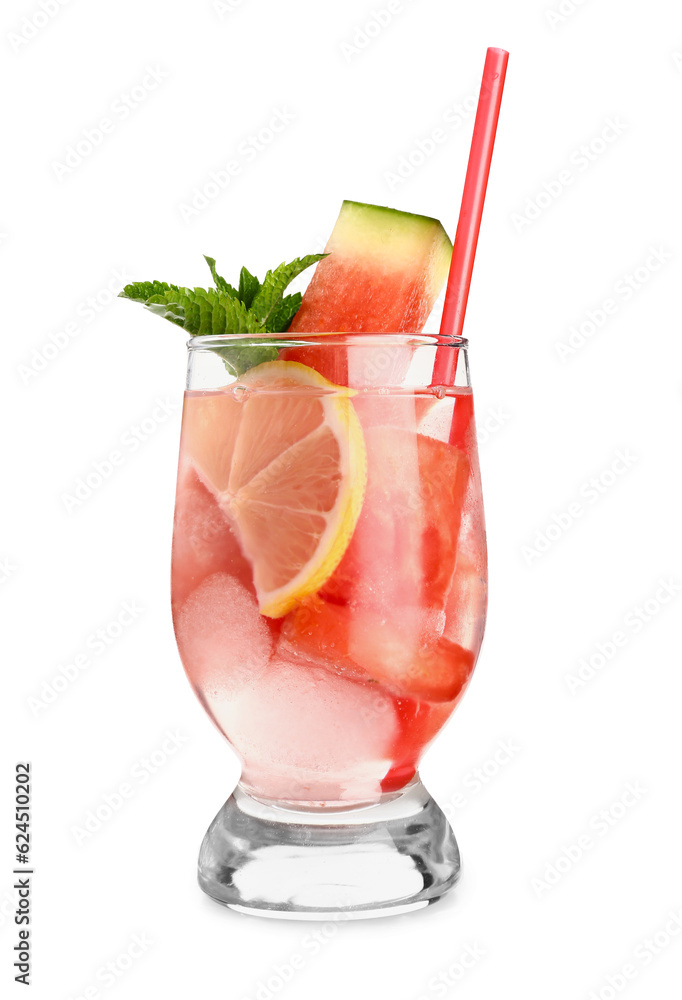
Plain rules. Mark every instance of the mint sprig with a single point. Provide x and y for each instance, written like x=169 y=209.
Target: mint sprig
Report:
x=253 y=307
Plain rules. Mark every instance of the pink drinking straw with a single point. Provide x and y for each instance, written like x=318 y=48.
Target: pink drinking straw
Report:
x=469 y=224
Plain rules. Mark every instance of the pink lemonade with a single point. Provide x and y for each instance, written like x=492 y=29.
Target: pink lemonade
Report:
x=331 y=687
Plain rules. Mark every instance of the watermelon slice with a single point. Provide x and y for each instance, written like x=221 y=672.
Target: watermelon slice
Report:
x=418 y=722
x=404 y=653
x=384 y=272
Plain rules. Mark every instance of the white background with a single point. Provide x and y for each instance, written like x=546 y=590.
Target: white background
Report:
x=548 y=426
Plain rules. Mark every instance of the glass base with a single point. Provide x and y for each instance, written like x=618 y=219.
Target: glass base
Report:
x=275 y=861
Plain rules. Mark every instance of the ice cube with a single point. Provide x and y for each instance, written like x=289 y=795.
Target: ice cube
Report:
x=224 y=641
x=374 y=363
x=465 y=609
x=436 y=420
x=404 y=545
x=307 y=734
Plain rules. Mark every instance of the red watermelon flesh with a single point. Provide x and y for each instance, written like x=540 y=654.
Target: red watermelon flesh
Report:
x=405 y=652
x=418 y=722
x=384 y=272
x=203 y=542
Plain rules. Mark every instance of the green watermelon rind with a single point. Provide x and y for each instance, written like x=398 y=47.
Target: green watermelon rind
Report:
x=410 y=233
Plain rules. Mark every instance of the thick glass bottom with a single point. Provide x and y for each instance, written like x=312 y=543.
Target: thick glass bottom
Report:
x=389 y=858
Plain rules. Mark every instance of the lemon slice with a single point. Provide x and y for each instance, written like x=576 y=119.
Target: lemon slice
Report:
x=284 y=454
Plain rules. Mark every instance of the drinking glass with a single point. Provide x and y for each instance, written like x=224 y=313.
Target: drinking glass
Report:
x=329 y=586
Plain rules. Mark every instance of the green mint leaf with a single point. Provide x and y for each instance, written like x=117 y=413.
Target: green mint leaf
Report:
x=199 y=311
x=285 y=312
x=219 y=281
x=253 y=308
x=248 y=287
x=269 y=297
x=140 y=291
x=239 y=359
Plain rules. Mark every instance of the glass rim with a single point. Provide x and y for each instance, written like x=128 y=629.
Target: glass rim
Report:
x=405 y=339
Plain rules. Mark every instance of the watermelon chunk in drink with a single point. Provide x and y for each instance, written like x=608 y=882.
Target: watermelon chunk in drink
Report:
x=419 y=722
x=203 y=542
x=405 y=652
